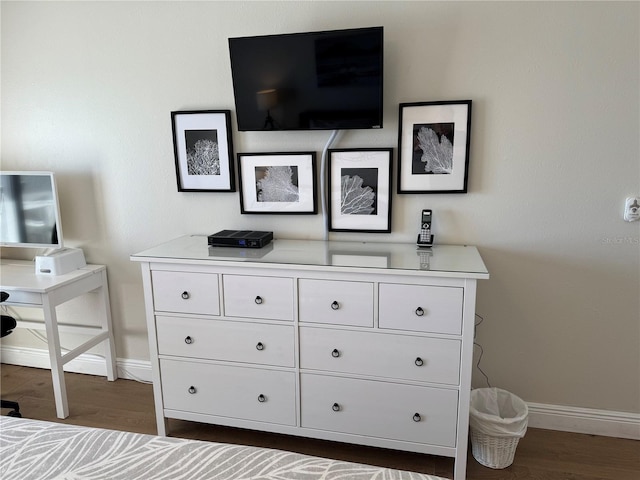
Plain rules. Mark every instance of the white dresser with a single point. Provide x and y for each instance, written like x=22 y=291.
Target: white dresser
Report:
x=367 y=343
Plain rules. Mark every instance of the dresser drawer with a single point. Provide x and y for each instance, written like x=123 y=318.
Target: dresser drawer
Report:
x=238 y=392
x=185 y=292
x=336 y=302
x=258 y=297
x=226 y=340
x=421 y=308
x=378 y=409
x=423 y=359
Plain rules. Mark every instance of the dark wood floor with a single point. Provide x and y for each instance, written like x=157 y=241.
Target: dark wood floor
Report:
x=128 y=405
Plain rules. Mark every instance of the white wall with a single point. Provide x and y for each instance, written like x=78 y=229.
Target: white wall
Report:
x=88 y=87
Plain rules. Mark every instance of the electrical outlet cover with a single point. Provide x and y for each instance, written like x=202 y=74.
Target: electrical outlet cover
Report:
x=632 y=209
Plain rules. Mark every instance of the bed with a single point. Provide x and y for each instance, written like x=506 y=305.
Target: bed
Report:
x=32 y=449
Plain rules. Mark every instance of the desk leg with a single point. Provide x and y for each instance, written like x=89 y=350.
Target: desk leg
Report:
x=110 y=351
x=55 y=357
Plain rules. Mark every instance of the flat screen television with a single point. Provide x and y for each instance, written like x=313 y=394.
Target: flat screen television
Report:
x=29 y=210
x=330 y=80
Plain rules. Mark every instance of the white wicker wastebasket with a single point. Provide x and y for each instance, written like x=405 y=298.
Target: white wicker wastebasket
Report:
x=497 y=422
x=493 y=452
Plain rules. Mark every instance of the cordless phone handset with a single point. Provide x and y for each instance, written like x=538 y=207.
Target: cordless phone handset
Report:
x=425 y=237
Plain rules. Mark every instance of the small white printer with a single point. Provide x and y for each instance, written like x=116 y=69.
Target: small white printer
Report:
x=60 y=262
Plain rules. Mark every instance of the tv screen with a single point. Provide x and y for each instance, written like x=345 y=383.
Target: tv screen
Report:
x=29 y=213
x=328 y=80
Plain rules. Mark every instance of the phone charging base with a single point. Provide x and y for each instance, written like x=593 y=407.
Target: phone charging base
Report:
x=423 y=243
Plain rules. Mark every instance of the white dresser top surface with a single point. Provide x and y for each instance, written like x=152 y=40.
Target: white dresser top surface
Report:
x=450 y=260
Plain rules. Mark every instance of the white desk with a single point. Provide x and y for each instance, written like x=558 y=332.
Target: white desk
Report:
x=26 y=289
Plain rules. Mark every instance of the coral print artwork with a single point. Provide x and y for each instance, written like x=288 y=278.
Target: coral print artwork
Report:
x=432 y=149
x=277 y=184
x=202 y=152
x=358 y=187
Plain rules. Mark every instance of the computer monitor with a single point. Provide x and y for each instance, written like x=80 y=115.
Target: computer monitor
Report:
x=29 y=210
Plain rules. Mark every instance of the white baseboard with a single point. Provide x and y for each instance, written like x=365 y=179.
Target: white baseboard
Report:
x=585 y=420
x=87 y=363
x=550 y=417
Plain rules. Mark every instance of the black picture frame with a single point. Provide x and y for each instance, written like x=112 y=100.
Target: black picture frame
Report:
x=433 y=146
x=360 y=190
x=278 y=183
x=203 y=150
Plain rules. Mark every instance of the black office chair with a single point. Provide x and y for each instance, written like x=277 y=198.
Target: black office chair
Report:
x=7 y=326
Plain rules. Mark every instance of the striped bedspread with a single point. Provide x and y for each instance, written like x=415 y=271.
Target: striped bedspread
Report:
x=31 y=449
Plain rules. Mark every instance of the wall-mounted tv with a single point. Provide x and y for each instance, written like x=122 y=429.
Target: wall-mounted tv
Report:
x=29 y=211
x=330 y=80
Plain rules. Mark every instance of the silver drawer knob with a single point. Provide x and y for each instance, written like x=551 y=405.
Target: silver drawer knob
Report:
x=419 y=311
x=188 y=340
x=258 y=300
x=262 y=398
x=185 y=295
x=419 y=362
x=335 y=305
x=416 y=417
x=335 y=407
x=260 y=346
x=335 y=353
x=192 y=390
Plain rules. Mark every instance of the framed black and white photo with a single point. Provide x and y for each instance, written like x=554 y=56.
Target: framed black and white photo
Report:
x=360 y=190
x=282 y=183
x=203 y=151
x=433 y=147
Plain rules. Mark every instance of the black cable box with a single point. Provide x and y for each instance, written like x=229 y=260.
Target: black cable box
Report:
x=240 y=238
